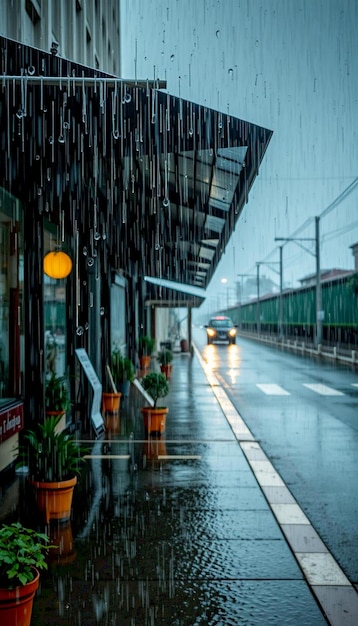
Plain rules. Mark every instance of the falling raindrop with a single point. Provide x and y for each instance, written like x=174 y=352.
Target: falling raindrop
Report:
x=101 y=311
x=97 y=236
x=217 y=34
x=90 y=261
x=86 y=326
x=166 y=202
x=37 y=157
x=84 y=251
x=230 y=72
x=172 y=57
x=115 y=134
x=31 y=70
x=191 y=132
x=20 y=114
x=66 y=125
x=50 y=139
x=128 y=97
x=61 y=139
x=79 y=330
x=104 y=236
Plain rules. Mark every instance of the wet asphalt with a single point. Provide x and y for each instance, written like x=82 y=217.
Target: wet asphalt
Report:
x=174 y=530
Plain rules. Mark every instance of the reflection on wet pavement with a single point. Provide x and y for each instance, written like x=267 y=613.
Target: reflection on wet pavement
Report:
x=170 y=531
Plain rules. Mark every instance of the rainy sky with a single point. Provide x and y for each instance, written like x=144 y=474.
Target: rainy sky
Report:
x=290 y=66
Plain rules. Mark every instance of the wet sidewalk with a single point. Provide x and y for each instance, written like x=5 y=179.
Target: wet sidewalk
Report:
x=174 y=531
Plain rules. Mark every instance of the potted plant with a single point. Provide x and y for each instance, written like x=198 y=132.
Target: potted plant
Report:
x=57 y=399
x=54 y=461
x=165 y=358
x=123 y=371
x=22 y=554
x=154 y=417
x=146 y=349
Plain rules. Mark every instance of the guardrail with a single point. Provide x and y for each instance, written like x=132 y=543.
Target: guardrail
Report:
x=322 y=350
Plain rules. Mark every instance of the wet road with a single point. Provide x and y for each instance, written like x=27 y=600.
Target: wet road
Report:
x=305 y=416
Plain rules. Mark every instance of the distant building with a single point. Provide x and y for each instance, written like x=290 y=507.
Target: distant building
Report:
x=354 y=249
x=310 y=279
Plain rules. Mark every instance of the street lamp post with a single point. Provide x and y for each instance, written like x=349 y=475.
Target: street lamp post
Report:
x=242 y=289
x=258 y=311
x=316 y=254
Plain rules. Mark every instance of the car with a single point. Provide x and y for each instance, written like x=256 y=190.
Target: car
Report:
x=221 y=328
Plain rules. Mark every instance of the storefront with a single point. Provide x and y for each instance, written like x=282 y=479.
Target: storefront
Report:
x=129 y=182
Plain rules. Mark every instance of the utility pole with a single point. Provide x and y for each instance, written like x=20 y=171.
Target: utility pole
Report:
x=316 y=254
x=258 y=309
x=242 y=289
x=319 y=312
x=280 y=322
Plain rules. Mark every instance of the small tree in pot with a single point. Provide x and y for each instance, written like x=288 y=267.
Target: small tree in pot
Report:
x=154 y=417
x=165 y=358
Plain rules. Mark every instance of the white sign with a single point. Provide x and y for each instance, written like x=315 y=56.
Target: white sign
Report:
x=146 y=395
x=96 y=416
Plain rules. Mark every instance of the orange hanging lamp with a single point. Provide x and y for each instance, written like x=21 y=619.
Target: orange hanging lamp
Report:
x=57 y=264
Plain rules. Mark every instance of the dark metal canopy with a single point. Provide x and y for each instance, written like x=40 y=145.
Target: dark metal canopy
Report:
x=150 y=184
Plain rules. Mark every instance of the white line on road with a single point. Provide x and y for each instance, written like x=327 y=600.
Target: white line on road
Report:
x=323 y=390
x=273 y=390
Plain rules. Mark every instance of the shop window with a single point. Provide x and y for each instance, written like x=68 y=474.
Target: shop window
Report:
x=11 y=295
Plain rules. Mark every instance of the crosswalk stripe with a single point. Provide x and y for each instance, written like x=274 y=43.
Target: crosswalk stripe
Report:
x=323 y=390
x=273 y=390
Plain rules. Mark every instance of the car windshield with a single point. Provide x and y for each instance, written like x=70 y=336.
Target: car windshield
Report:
x=221 y=323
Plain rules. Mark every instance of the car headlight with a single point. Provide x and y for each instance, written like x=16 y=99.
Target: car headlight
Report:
x=211 y=332
x=232 y=332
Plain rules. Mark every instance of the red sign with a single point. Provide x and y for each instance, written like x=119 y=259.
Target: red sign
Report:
x=11 y=421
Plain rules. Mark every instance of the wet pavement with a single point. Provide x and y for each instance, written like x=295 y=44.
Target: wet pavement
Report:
x=174 y=531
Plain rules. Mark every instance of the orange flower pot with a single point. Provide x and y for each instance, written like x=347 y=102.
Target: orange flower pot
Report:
x=167 y=370
x=110 y=402
x=144 y=362
x=154 y=419
x=16 y=604
x=54 y=500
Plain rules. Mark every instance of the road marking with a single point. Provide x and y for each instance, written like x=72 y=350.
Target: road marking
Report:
x=323 y=390
x=273 y=390
x=336 y=595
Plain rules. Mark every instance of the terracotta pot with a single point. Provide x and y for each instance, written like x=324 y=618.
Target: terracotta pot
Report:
x=54 y=500
x=16 y=604
x=62 y=423
x=144 y=362
x=110 y=402
x=167 y=370
x=154 y=419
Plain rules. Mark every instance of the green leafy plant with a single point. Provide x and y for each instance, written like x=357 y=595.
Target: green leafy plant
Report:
x=146 y=345
x=56 y=393
x=156 y=385
x=165 y=356
x=122 y=368
x=51 y=456
x=21 y=550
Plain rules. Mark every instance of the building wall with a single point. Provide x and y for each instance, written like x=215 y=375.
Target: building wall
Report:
x=86 y=31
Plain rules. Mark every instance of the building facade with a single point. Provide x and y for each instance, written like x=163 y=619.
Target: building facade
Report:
x=126 y=180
